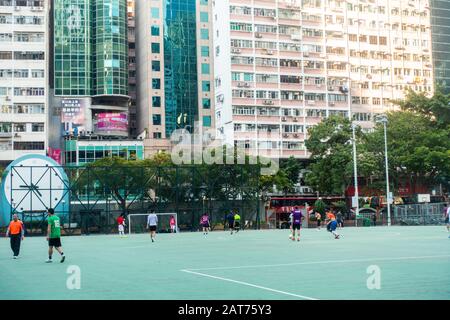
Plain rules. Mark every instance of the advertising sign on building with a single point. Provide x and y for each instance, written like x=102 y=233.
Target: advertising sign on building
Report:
x=113 y=123
x=72 y=114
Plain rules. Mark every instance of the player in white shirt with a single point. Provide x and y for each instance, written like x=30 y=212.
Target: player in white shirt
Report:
x=152 y=222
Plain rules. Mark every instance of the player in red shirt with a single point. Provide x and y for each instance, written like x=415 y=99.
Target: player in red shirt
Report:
x=121 y=225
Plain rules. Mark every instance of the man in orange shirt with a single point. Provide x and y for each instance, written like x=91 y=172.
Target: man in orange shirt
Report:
x=16 y=234
x=332 y=224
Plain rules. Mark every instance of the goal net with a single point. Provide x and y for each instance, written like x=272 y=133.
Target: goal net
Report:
x=137 y=222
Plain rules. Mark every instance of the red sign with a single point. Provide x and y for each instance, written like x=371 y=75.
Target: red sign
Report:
x=55 y=154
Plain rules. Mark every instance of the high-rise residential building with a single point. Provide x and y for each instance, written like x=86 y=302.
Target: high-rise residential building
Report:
x=132 y=111
x=440 y=27
x=281 y=66
x=175 y=73
x=89 y=70
x=23 y=78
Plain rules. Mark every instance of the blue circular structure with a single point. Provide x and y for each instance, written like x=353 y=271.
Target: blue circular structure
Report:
x=30 y=185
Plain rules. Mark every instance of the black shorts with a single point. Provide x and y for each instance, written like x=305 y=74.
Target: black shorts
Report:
x=318 y=222
x=54 y=242
x=296 y=226
x=152 y=228
x=446 y=220
x=236 y=224
x=205 y=225
x=231 y=224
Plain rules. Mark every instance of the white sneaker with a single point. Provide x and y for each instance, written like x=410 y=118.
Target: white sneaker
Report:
x=14 y=257
x=48 y=261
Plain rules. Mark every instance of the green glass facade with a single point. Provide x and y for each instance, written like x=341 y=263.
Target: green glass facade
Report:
x=76 y=154
x=180 y=64
x=90 y=47
x=440 y=27
x=111 y=47
x=73 y=74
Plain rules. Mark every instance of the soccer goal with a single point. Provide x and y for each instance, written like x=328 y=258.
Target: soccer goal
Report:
x=137 y=222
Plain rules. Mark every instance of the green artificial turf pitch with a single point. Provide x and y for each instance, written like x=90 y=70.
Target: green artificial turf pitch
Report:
x=413 y=263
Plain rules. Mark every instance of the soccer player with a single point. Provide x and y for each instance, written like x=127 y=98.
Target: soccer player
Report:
x=447 y=218
x=292 y=234
x=16 y=235
x=152 y=222
x=172 y=224
x=237 y=222
x=296 y=223
x=319 y=220
x=230 y=219
x=121 y=225
x=332 y=224
x=54 y=235
x=204 y=222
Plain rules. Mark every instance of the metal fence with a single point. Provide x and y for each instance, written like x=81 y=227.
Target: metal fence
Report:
x=418 y=214
x=98 y=195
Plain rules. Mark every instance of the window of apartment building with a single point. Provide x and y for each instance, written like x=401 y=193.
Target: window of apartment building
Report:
x=28 y=55
x=157 y=135
x=240 y=10
x=155 y=47
x=263 y=28
x=37 y=127
x=204 y=16
x=5 y=37
x=155 y=13
x=206 y=86
x=206 y=103
x=290 y=79
x=155 y=30
x=353 y=37
x=267 y=78
x=364 y=100
x=240 y=43
x=266 y=62
x=156 y=65
x=35 y=20
x=237 y=110
x=265 y=45
x=20 y=91
x=29 y=37
x=156 y=83
x=362 y=116
x=204 y=51
x=242 y=60
x=383 y=41
x=37 y=73
x=20 y=127
x=5 y=18
x=207 y=121
x=205 y=68
x=373 y=40
x=240 y=26
x=6 y=73
x=156 y=101
x=31 y=108
x=263 y=94
x=376 y=101
x=204 y=34
x=21 y=73
x=242 y=93
x=156 y=119
x=28 y=145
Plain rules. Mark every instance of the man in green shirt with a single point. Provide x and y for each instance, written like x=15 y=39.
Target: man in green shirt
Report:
x=237 y=222
x=54 y=235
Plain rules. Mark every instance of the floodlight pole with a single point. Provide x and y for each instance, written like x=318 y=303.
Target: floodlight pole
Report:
x=355 y=173
x=383 y=119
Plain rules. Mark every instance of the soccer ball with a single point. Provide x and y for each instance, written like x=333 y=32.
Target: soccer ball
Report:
x=290 y=236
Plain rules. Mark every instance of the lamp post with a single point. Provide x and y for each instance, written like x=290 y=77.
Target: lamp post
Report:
x=355 y=173
x=383 y=119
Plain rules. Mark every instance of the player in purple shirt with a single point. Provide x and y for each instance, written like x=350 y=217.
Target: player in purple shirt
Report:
x=204 y=222
x=296 y=223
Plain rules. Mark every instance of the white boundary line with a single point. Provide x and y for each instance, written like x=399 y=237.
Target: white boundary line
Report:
x=319 y=262
x=249 y=285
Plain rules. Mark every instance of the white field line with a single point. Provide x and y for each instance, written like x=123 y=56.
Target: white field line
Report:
x=320 y=262
x=250 y=285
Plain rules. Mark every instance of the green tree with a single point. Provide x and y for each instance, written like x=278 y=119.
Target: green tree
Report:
x=330 y=144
